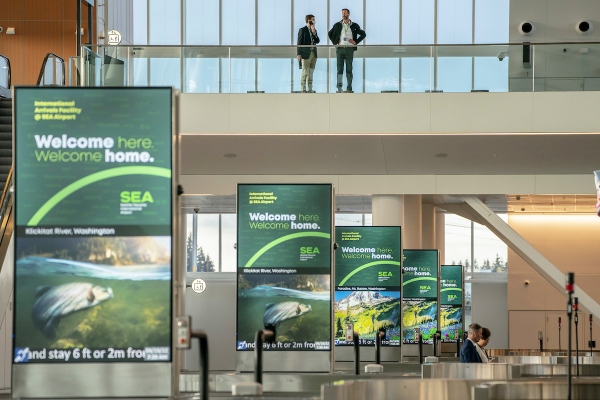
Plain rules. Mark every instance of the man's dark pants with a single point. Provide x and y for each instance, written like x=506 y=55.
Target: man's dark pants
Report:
x=344 y=53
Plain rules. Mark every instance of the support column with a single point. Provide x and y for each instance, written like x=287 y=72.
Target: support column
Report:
x=388 y=210
x=440 y=234
x=412 y=231
x=428 y=226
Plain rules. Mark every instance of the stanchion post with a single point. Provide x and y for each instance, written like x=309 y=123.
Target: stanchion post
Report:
x=264 y=336
x=203 y=341
x=559 y=348
x=576 y=311
x=570 y=288
x=591 y=342
x=356 y=353
x=420 y=341
x=457 y=336
x=378 y=340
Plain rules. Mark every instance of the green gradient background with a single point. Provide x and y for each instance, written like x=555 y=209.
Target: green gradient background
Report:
x=129 y=113
x=424 y=260
x=451 y=273
x=291 y=199
x=371 y=237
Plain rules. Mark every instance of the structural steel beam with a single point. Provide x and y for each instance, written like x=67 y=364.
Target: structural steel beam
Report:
x=474 y=209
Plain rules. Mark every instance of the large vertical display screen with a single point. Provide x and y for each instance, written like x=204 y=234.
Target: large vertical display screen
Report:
x=367 y=283
x=284 y=265
x=451 y=302
x=420 y=295
x=93 y=225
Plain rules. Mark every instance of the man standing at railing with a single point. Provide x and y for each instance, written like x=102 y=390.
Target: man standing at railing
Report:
x=307 y=35
x=345 y=35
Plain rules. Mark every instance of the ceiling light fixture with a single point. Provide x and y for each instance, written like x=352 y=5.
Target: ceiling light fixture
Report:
x=441 y=155
x=230 y=155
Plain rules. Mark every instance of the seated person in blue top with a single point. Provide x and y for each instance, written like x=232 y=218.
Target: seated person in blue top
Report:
x=468 y=351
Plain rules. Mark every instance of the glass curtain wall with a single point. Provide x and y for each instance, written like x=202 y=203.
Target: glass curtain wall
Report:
x=276 y=23
x=482 y=254
x=216 y=233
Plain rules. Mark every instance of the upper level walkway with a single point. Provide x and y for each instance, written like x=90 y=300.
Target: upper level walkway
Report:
x=519 y=67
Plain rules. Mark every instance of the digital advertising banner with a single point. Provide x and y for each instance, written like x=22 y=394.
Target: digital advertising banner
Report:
x=420 y=295
x=93 y=236
x=451 y=302
x=367 y=283
x=284 y=265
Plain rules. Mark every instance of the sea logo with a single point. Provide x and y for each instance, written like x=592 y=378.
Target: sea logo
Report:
x=242 y=345
x=21 y=355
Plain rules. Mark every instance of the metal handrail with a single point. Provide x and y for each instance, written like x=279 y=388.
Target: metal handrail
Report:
x=7 y=73
x=5 y=192
x=41 y=75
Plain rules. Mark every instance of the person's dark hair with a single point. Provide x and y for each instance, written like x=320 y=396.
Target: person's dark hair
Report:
x=474 y=327
x=346 y=10
x=485 y=333
x=308 y=17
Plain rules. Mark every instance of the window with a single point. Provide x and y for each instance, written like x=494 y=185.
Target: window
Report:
x=382 y=74
x=416 y=74
x=202 y=75
x=382 y=22
x=491 y=74
x=238 y=22
x=491 y=21
x=140 y=22
x=342 y=219
x=454 y=74
x=165 y=72
x=219 y=255
x=417 y=21
x=458 y=242
x=274 y=75
x=491 y=253
x=465 y=238
x=165 y=22
x=202 y=22
x=274 y=25
x=215 y=246
x=140 y=72
x=318 y=8
x=355 y=7
x=455 y=22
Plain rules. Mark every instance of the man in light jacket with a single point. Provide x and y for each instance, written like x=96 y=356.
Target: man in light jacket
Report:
x=345 y=35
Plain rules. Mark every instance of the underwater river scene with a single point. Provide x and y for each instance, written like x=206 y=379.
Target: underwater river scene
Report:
x=65 y=304
x=300 y=316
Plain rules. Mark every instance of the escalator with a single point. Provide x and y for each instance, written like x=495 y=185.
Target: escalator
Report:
x=6 y=120
x=52 y=73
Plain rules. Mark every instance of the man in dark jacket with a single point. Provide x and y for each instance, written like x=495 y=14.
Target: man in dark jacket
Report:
x=345 y=35
x=307 y=35
x=468 y=351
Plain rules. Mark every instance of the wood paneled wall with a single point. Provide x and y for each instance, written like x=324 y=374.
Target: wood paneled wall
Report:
x=41 y=26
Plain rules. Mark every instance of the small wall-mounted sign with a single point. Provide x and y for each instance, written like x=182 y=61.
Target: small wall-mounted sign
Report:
x=114 y=37
x=198 y=285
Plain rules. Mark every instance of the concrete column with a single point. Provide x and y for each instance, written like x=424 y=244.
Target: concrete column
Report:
x=428 y=226
x=388 y=210
x=411 y=230
x=440 y=234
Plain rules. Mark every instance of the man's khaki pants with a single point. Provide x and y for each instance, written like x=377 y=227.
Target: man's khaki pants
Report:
x=308 y=70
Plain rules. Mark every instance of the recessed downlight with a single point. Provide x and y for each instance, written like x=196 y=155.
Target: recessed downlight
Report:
x=230 y=155
x=441 y=155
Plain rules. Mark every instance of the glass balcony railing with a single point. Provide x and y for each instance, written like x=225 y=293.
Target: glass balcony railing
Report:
x=376 y=69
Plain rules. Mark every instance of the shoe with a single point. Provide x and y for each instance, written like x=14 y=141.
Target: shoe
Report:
x=339 y=90
x=349 y=91
x=304 y=91
x=311 y=91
